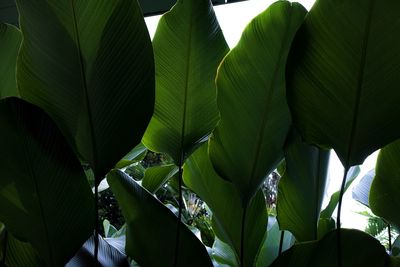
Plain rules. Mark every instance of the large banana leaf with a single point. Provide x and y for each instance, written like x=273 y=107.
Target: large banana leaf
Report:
x=44 y=195
x=10 y=40
x=225 y=203
x=155 y=177
x=188 y=46
x=8 y=12
x=384 y=197
x=248 y=141
x=343 y=76
x=358 y=249
x=301 y=189
x=89 y=64
x=361 y=191
x=151 y=228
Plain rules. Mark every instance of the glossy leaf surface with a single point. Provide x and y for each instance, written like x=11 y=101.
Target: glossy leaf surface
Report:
x=44 y=195
x=301 y=188
x=188 y=47
x=343 y=75
x=155 y=177
x=151 y=227
x=248 y=141
x=384 y=195
x=224 y=201
x=10 y=39
x=89 y=64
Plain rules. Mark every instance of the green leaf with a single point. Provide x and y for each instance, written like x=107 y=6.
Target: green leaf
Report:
x=270 y=248
x=396 y=247
x=361 y=191
x=301 y=188
x=151 y=227
x=135 y=155
x=89 y=65
x=223 y=255
x=10 y=40
x=358 y=249
x=188 y=46
x=333 y=202
x=109 y=229
x=248 y=141
x=343 y=75
x=20 y=254
x=384 y=195
x=44 y=195
x=224 y=202
x=155 y=177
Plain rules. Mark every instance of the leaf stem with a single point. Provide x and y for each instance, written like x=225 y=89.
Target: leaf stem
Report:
x=96 y=228
x=3 y=260
x=338 y=222
x=180 y=202
x=242 y=235
x=281 y=243
x=390 y=238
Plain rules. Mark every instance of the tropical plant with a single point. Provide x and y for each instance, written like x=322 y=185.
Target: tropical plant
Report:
x=186 y=132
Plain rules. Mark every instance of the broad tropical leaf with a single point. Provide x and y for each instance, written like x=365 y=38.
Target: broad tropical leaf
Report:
x=188 y=46
x=155 y=177
x=247 y=144
x=108 y=255
x=151 y=227
x=301 y=188
x=89 y=65
x=384 y=195
x=343 y=75
x=223 y=255
x=225 y=203
x=358 y=249
x=10 y=40
x=44 y=195
x=135 y=155
x=8 y=12
x=361 y=191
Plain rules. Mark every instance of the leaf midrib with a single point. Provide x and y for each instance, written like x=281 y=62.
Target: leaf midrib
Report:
x=268 y=106
x=360 y=82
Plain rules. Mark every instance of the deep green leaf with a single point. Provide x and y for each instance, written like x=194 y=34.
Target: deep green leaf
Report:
x=325 y=225
x=333 y=202
x=108 y=255
x=44 y=195
x=188 y=46
x=151 y=227
x=248 y=141
x=89 y=65
x=360 y=192
x=270 y=248
x=155 y=177
x=301 y=188
x=358 y=249
x=343 y=75
x=223 y=255
x=384 y=195
x=224 y=202
x=20 y=254
x=10 y=40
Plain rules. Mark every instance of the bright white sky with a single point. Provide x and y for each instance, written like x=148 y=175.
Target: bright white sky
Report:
x=233 y=18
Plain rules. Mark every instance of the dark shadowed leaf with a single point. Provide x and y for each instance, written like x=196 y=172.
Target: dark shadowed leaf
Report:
x=302 y=188
x=384 y=197
x=135 y=155
x=44 y=195
x=89 y=65
x=188 y=46
x=360 y=192
x=343 y=75
x=151 y=227
x=108 y=255
x=248 y=141
x=224 y=201
x=10 y=40
x=358 y=249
